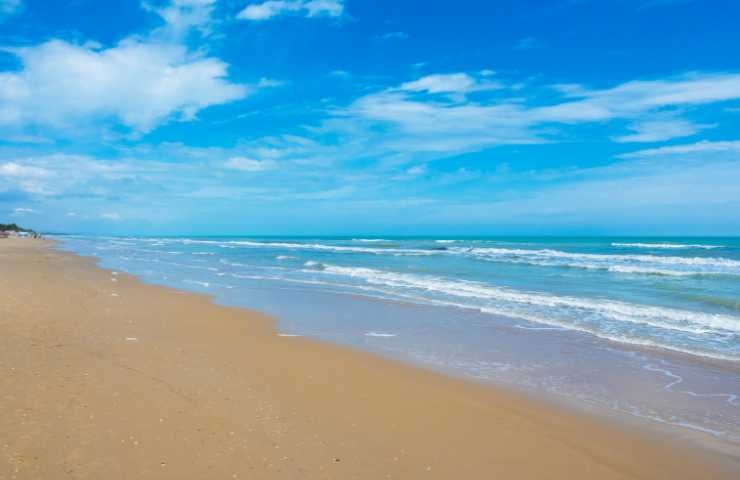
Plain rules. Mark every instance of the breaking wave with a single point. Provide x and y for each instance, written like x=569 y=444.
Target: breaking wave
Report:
x=670 y=328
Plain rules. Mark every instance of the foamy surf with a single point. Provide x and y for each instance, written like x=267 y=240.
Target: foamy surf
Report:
x=435 y=272
x=536 y=312
x=621 y=263
x=670 y=328
x=380 y=334
x=666 y=246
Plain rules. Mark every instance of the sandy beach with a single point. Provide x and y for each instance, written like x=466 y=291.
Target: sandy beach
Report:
x=106 y=377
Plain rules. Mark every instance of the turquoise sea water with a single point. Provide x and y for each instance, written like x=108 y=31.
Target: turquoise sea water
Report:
x=648 y=326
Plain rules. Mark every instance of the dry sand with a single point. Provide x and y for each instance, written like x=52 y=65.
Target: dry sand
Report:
x=103 y=377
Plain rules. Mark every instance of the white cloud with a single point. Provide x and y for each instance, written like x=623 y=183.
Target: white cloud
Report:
x=59 y=174
x=453 y=82
x=632 y=98
x=439 y=114
x=26 y=178
x=704 y=147
x=141 y=82
x=182 y=15
x=15 y=170
x=110 y=216
x=22 y=211
x=137 y=83
x=247 y=164
x=659 y=130
x=308 y=8
x=439 y=126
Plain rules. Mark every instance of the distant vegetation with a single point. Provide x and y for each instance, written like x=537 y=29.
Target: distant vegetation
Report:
x=12 y=227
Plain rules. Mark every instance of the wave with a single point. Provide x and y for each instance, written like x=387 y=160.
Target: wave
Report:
x=620 y=263
x=666 y=246
x=389 y=250
x=619 y=321
x=645 y=264
x=696 y=332
x=633 y=264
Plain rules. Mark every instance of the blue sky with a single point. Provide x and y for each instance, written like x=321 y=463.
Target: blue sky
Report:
x=340 y=117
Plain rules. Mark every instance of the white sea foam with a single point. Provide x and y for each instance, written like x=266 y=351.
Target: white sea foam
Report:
x=619 y=321
x=666 y=246
x=696 y=332
x=643 y=264
x=284 y=257
x=314 y=246
x=621 y=263
x=646 y=271
x=526 y=327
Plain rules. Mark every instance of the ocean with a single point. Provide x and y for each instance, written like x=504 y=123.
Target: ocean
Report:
x=644 y=326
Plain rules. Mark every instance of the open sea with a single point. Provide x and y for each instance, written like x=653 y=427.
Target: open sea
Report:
x=644 y=326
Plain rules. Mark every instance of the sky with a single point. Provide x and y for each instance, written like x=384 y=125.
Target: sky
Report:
x=375 y=117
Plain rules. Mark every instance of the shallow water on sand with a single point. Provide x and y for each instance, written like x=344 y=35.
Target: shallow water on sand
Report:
x=649 y=327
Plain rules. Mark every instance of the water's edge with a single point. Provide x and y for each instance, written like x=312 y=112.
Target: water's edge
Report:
x=677 y=393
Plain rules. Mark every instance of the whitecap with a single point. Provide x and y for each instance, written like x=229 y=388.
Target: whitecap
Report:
x=646 y=325
x=666 y=246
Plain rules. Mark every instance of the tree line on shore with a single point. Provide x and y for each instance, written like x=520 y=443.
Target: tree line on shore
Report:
x=12 y=227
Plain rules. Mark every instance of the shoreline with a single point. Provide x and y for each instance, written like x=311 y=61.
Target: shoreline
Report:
x=627 y=383
x=307 y=408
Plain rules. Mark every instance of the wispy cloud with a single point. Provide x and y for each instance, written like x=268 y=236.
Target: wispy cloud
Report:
x=443 y=83
x=660 y=130
x=180 y=16
x=444 y=113
x=632 y=98
x=702 y=147
x=308 y=8
x=248 y=164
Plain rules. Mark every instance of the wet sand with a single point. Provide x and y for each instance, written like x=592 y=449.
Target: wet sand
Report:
x=105 y=377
